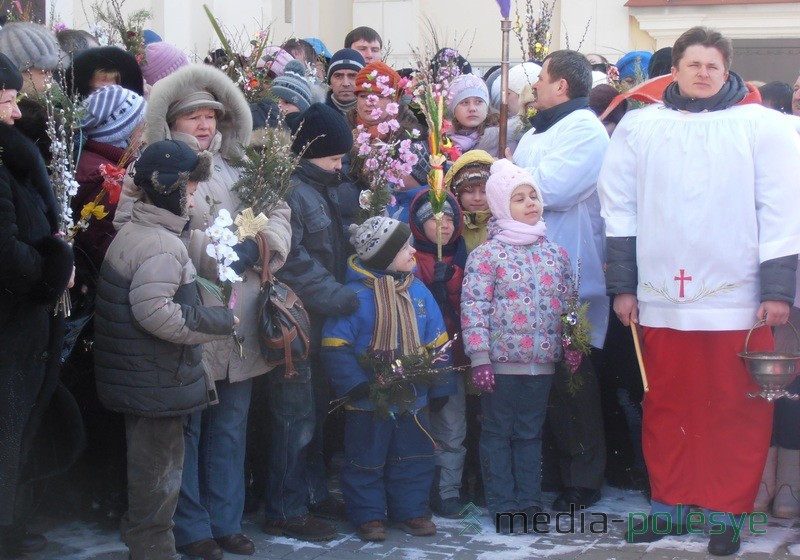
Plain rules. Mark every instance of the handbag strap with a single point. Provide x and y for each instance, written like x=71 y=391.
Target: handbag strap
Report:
x=289 y=370
x=263 y=250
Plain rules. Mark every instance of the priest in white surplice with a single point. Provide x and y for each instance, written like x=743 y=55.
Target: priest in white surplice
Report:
x=700 y=199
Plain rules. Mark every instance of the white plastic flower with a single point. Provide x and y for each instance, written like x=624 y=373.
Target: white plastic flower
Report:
x=227 y=274
x=224 y=218
x=215 y=231
x=364 y=199
x=229 y=238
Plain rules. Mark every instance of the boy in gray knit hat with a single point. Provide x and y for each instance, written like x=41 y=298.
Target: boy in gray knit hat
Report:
x=389 y=452
x=292 y=89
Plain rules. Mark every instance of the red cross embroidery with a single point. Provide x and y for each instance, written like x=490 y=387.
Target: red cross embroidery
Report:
x=682 y=279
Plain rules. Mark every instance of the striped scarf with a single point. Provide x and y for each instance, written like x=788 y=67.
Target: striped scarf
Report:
x=395 y=318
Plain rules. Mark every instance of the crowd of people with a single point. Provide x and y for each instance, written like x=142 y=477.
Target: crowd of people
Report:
x=462 y=351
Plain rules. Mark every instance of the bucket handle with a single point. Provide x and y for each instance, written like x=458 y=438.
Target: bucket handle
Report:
x=764 y=322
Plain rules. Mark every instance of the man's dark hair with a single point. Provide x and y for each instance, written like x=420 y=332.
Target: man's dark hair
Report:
x=705 y=37
x=73 y=40
x=293 y=45
x=778 y=96
x=573 y=67
x=362 y=34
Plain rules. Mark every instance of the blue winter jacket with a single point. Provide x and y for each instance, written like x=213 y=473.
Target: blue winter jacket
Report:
x=344 y=339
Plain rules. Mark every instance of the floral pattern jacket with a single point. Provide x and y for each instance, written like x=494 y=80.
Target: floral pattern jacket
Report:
x=511 y=304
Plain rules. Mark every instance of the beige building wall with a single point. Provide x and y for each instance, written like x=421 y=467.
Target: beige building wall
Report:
x=606 y=27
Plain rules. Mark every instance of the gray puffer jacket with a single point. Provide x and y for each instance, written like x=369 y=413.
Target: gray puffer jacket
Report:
x=150 y=322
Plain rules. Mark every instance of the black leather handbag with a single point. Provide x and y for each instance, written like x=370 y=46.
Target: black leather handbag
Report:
x=283 y=324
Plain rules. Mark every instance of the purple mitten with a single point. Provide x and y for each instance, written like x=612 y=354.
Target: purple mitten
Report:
x=483 y=378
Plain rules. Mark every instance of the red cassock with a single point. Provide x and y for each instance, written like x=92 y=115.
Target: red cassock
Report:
x=705 y=441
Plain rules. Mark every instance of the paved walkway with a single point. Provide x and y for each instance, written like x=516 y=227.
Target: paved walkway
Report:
x=474 y=538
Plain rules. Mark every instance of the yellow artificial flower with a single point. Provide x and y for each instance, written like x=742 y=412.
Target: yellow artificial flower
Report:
x=92 y=209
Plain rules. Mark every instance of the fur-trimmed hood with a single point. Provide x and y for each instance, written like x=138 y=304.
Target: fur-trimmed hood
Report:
x=234 y=126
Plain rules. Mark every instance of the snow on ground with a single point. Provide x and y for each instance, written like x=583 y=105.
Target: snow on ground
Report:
x=73 y=540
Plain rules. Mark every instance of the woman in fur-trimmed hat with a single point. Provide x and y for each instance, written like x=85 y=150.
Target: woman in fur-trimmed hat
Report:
x=201 y=106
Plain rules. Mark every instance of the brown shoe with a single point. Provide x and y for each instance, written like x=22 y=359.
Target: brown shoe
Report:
x=304 y=528
x=207 y=549
x=17 y=541
x=331 y=508
x=237 y=544
x=372 y=531
x=417 y=527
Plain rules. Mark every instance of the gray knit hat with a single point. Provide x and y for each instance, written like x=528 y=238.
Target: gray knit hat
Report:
x=30 y=45
x=112 y=114
x=378 y=240
x=292 y=86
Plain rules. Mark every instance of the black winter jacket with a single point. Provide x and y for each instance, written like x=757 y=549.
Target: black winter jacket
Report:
x=35 y=268
x=315 y=268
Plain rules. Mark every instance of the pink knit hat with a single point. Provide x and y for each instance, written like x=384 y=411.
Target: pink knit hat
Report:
x=504 y=177
x=466 y=85
x=161 y=60
x=275 y=59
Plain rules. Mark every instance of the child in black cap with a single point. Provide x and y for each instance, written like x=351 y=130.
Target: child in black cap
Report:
x=149 y=328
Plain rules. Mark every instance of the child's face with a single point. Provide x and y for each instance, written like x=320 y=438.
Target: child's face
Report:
x=330 y=164
x=448 y=228
x=191 y=187
x=473 y=198
x=513 y=102
x=102 y=78
x=287 y=108
x=525 y=205
x=471 y=112
x=404 y=261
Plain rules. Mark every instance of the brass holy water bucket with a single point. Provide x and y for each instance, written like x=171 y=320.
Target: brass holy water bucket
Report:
x=773 y=371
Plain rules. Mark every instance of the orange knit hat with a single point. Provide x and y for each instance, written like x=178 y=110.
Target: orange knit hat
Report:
x=378 y=78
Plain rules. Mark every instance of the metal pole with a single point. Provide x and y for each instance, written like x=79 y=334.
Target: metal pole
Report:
x=505 y=27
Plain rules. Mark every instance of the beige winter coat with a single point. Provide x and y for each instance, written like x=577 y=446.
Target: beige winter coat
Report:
x=220 y=358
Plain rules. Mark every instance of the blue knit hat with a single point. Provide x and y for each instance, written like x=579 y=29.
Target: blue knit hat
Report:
x=319 y=46
x=345 y=59
x=628 y=63
x=113 y=113
x=292 y=86
x=150 y=36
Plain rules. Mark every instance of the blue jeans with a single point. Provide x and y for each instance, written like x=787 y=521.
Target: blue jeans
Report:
x=316 y=473
x=212 y=490
x=511 y=441
x=632 y=411
x=388 y=467
x=291 y=427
